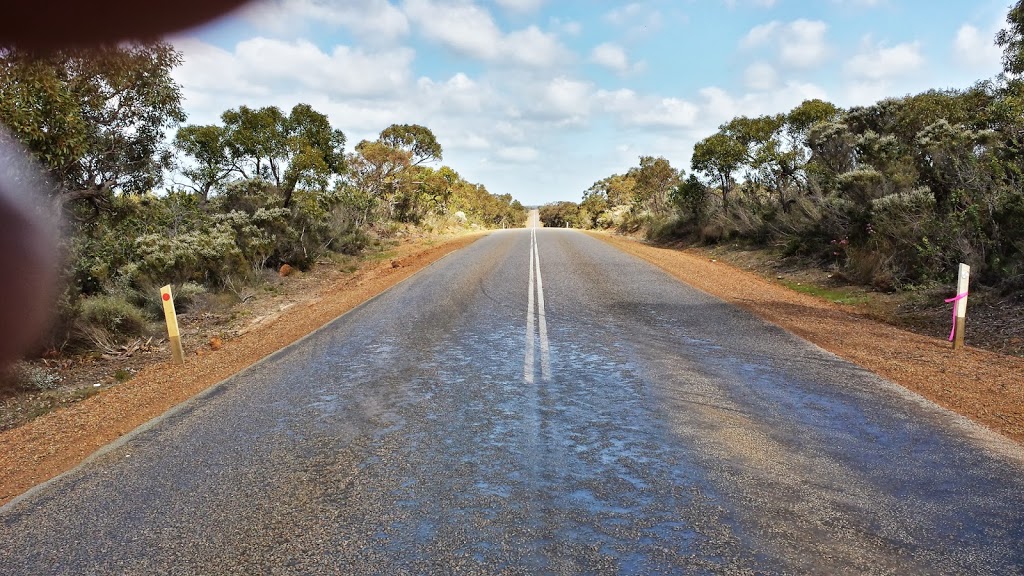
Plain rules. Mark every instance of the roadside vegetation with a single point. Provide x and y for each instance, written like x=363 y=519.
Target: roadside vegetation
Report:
x=892 y=195
x=216 y=210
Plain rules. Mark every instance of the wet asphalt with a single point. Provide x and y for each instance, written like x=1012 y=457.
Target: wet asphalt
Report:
x=648 y=429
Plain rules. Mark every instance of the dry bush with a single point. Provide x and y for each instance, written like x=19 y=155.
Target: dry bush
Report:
x=110 y=319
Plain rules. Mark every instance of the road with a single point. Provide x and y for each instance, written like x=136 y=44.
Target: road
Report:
x=538 y=403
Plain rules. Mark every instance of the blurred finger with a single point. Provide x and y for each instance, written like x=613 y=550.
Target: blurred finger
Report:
x=54 y=24
x=28 y=253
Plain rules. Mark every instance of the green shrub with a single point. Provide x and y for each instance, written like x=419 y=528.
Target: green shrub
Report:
x=113 y=317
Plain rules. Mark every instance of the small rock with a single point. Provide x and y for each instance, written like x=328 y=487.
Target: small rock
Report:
x=396 y=263
x=285 y=270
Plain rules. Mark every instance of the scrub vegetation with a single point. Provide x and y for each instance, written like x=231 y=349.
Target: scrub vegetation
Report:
x=146 y=199
x=891 y=195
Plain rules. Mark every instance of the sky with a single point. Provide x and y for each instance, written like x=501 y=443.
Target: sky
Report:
x=542 y=98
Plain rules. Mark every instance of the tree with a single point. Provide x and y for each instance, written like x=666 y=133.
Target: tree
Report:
x=654 y=179
x=417 y=140
x=285 y=151
x=690 y=198
x=560 y=214
x=718 y=157
x=94 y=118
x=377 y=169
x=1011 y=40
x=801 y=119
x=207 y=148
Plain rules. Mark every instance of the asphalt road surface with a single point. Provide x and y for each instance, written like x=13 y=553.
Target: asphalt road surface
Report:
x=538 y=403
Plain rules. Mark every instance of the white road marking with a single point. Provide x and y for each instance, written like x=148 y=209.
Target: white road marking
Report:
x=528 y=361
x=536 y=319
x=545 y=352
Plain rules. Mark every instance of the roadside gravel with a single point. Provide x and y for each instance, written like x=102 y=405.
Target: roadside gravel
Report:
x=984 y=386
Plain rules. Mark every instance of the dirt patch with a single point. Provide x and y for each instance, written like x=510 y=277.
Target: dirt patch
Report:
x=996 y=321
x=985 y=386
x=57 y=441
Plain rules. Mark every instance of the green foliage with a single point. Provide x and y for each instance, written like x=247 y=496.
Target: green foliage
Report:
x=562 y=214
x=206 y=148
x=287 y=152
x=95 y=119
x=415 y=140
x=608 y=201
x=895 y=194
x=1011 y=40
x=837 y=296
x=654 y=180
x=718 y=157
x=261 y=189
x=691 y=200
x=113 y=316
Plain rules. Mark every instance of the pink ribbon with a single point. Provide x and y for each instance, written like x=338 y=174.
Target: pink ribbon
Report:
x=956 y=298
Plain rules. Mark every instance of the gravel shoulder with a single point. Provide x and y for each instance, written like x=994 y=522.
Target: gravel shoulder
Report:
x=984 y=386
x=58 y=441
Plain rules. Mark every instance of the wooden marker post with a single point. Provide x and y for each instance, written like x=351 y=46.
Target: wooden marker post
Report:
x=960 y=306
x=177 y=352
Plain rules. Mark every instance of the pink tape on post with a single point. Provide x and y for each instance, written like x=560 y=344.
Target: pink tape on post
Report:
x=954 y=299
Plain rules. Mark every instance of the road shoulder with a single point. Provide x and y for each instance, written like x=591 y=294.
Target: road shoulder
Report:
x=984 y=386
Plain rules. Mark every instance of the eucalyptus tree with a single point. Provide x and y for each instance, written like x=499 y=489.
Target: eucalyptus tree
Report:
x=300 y=148
x=94 y=119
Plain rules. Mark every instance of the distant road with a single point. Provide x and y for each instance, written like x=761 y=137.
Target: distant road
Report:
x=533 y=220
x=538 y=403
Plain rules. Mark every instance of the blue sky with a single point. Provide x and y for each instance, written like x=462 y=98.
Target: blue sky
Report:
x=541 y=98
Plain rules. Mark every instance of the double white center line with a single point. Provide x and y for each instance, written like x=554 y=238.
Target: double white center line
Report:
x=536 y=322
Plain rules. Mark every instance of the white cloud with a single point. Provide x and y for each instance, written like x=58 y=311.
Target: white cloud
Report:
x=613 y=57
x=637 y=18
x=562 y=100
x=800 y=43
x=520 y=5
x=880 y=62
x=468 y=29
x=372 y=20
x=509 y=132
x=761 y=34
x=973 y=48
x=569 y=27
x=466 y=141
x=643 y=111
x=464 y=28
x=879 y=71
x=459 y=94
x=621 y=16
x=719 y=106
x=361 y=91
x=518 y=154
x=533 y=47
x=344 y=70
x=761 y=76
